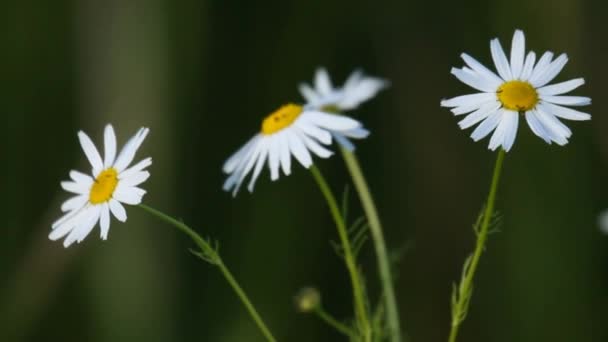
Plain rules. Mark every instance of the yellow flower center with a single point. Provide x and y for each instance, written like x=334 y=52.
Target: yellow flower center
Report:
x=281 y=118
x=104 y=186
x=517 y=95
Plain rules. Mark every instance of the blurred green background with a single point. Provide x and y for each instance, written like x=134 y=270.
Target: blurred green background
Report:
x=202 y=74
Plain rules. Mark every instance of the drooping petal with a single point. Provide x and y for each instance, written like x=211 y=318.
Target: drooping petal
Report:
x=104 y=221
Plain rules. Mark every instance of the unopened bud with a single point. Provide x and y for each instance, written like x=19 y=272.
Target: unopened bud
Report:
x=308 y=299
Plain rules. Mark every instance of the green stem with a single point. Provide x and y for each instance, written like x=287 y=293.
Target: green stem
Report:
x=375 y=227
x=210 y=254
x=355 y=278
x=465 y=288
x=334 y=323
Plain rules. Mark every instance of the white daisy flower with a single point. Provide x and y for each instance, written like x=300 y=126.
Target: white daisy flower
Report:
x=291 y=130
x=113 y=182
x=520 y=88
x=357 y=89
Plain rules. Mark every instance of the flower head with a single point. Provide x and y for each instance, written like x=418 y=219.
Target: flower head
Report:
x=112 y=182
x=357 y=89
x=520 y=88
x=290 y=130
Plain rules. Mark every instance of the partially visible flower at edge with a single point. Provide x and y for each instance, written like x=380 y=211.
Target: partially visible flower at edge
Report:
x=602 y=221
x=520 y=88
x=290 y=130
x=113 y=182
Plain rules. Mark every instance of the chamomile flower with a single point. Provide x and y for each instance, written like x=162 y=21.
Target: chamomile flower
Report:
x=111 y=183
x=291 y=130
x=357 y=89
x=520 y=88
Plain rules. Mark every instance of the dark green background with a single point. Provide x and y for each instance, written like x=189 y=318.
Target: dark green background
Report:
x=202 y=74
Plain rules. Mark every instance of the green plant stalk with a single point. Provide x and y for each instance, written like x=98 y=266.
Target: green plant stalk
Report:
x=359 y=297
x=465 y=288
x=327 y=318
x=375 y=227
x=215 y=259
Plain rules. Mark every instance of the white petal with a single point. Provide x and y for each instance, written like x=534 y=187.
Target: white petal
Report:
x=567 y=100
x=330 y=121
x=128 y=151
x=68 y=222
x=104 y=221
x=479 y=115
x=482 y=70
x=510 y=133
x=118 y=210
x=322 y=82
x=314 y=131
x=68 y=217
x=564 y=112
x=274 y=154
x=297 y=148
x=357 y=133
x=135 y=179
x=344 y=142
x=314 y=146
x=359 y=91
x=500 y=60
x=259 y=165
x=235 y=159
x=554 y=132
x=81 y=178
x=284 y=153
x=537 y=127
x=74 y=203
x=541 y=66
x=473 y=80
x=109 y=146
x=528 y=66
x=518 y=51
x=550 y=72
x=81 y=231
x=135 y=168
x=308 y=93
x=128 y=195
x=234 y=182
x=498 y=136
x=469 y=100
x=76 y=188
x=561 y=88
x=91 y=152
x=558 y=131
x=486 y=126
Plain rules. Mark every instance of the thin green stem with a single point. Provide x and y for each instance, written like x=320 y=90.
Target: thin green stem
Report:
x=330 y=320
x=358 y=294
x=375 y=227
x=465 y=288
x=210 y=254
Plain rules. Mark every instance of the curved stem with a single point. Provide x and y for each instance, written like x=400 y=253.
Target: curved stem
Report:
x=465 y=288
x=330 y=320
x=355 y=278
x=210 y=254
x=375 y=227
